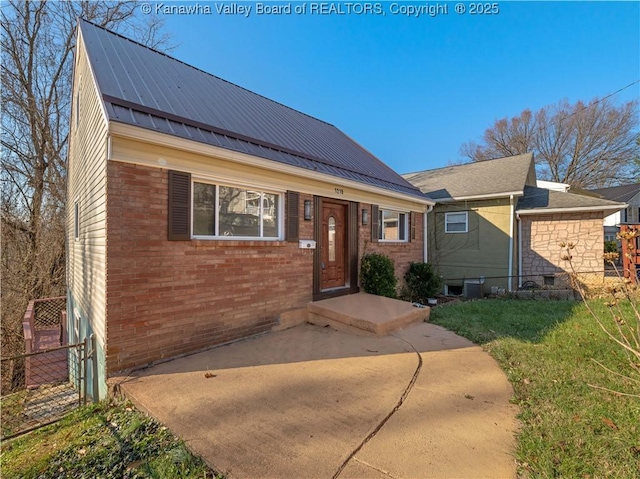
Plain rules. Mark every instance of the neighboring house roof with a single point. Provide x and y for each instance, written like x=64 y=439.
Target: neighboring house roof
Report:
x=622 y=193
x=148 y=89
x=489 y=178
x=553 y=185
x=541 y=200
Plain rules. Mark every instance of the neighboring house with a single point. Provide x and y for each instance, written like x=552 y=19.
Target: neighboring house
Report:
x=493 y=225
x=200 y=212
x=629 y=194
x=553 y=185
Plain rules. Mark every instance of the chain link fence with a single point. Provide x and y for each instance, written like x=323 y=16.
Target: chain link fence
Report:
x=50 y=387
x=51 y=377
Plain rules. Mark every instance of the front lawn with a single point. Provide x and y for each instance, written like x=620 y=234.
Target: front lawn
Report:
x=101 y=440
x=546 y=349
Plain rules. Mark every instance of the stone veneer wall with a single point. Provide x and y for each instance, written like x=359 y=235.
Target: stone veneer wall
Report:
x=541 y=251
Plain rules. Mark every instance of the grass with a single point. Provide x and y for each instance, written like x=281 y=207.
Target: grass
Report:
x=102 y=440
x=546 y=349
x=11 y=407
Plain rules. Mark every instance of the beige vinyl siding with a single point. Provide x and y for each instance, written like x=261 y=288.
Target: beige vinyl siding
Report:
x=201 y=166
x=482 y=251
x=86 y=258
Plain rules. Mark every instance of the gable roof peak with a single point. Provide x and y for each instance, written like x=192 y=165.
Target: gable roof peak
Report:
x=172 y=58
x=496 y=177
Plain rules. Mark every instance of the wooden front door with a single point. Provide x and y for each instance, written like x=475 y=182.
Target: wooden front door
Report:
x=333 y=245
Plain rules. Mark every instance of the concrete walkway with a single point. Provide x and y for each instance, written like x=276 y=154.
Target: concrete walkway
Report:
x=312 y=402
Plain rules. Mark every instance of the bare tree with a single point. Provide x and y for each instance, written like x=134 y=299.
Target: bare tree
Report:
x=38 y=39
x=586 y=145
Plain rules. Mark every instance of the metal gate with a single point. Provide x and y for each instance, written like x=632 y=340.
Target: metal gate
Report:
x=46 y=385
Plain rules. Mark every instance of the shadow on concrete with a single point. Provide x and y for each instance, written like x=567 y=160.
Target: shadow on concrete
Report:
x=297 y=403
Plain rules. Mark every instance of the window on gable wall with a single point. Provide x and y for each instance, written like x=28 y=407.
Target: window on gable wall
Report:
x=228 y=211
x=76 y=221
x=456 y=222
x=392 y=225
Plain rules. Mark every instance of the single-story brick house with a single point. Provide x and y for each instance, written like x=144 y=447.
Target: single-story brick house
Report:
x=493 y=223
x=200 y=212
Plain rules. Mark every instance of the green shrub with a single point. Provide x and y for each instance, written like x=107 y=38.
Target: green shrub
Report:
x=377 y=275
x=421 y=282
x=611 y=246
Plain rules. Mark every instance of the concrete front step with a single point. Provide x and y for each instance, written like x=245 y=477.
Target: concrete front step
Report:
x=366 y=313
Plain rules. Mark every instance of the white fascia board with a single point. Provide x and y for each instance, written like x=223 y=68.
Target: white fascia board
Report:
x=542 y=211
x=163 y=139
x=489 y=196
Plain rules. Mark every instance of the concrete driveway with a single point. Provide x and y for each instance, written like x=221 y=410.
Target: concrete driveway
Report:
x=312 y=402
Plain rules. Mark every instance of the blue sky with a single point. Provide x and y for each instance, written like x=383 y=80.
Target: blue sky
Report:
x=413 y=90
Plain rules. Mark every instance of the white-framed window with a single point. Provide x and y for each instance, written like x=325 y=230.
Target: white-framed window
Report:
x=456 y=222
x=235 y=212
x=76 y=221
x=392 y=225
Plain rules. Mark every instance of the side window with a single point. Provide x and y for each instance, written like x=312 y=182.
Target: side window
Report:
x=456 y=222
x=76 y=221
x=392 y=225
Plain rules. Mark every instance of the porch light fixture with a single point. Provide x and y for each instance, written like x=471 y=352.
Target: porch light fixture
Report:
x=365 y=217
x=307 y=210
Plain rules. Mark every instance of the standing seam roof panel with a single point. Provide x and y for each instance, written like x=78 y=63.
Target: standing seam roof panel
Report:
x=141 y=76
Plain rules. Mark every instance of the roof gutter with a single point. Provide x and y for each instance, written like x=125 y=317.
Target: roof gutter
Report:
x=509 y=194
x=164 y=139
x=540 y=211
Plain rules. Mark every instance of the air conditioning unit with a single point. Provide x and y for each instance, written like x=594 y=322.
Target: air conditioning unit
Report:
x=474 y=288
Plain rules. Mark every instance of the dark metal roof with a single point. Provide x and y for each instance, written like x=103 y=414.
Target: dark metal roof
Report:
x=622 y=193
x=540 y=198
x=483 y=178
x=146 y=88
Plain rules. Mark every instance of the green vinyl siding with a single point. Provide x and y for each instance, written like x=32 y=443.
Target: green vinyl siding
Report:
x=482 y=251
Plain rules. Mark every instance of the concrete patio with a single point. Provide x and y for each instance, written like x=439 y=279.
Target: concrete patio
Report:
x=313 y=402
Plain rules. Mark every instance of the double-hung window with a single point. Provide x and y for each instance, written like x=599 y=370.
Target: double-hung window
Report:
x=392 y=225
x=221 y=211
x=456 y=222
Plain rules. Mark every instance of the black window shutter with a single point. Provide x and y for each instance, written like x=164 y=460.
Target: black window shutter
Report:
x=179 y=206
x=293 y=216
x=375 y=223
x=412 y=226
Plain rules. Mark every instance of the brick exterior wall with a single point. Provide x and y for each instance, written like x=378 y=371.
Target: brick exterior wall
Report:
x=541 y=238
x=166 y=298
x=402 y=254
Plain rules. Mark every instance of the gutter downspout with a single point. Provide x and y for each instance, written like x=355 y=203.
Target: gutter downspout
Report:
x=519 y=249
x=425 y=234
x=510 y=273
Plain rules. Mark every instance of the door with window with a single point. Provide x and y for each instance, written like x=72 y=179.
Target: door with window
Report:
x=333 y=245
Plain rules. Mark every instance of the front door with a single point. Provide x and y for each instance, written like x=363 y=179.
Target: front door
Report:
x=333 y=245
